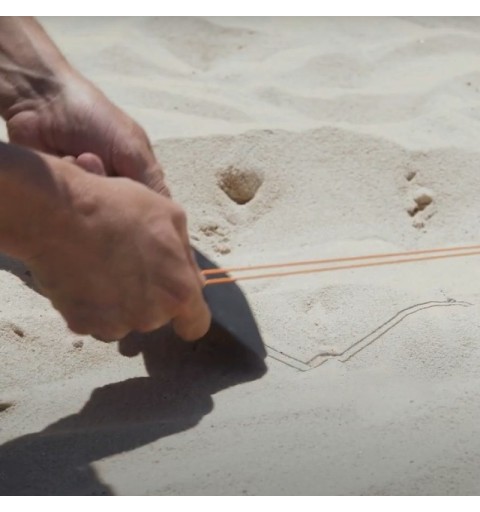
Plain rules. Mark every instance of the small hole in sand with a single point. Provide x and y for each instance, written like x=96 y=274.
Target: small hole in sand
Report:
x=5 y=405
x=410 y=175
x=18 y=331
x=240 y=185
x=423 y=197
x=412 y=210
x=222 y=249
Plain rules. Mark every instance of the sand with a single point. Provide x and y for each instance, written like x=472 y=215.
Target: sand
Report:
x=284 y=139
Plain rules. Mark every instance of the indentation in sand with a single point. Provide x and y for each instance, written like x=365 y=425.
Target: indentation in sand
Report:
x=18 y=331
x=5 y=405
x=240 y=185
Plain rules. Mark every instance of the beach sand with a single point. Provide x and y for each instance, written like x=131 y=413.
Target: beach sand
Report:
x=372 y=380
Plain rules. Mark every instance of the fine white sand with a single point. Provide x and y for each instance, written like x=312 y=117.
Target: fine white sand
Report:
x=373 y=381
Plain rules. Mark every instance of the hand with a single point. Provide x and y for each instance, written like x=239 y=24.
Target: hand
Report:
x=79 y=122
x=118 y=259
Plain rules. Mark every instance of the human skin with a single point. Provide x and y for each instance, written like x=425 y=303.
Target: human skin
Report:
x=49 y=106
x=112 y=254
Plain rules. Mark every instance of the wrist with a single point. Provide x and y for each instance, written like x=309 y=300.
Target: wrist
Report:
x=38 y=206
x=33 y=90
x=32 y=69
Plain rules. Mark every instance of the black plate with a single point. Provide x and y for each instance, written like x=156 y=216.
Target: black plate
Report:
x=231 y=311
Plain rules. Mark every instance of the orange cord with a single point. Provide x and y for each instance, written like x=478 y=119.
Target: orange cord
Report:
x=212 y=271
x=222 y=280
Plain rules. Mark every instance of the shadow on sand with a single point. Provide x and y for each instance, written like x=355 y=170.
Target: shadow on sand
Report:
x=126 y=415
x=123 y=416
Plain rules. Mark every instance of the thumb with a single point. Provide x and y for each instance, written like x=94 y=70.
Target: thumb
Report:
x=91 y=163
x=88 y=162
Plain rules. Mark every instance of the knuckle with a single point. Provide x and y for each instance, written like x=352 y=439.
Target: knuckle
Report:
x=136 y=143
x=90 y=323
x=151 y=325
x=139 y=135
x=151 y=316
x=171 y=301
x=179 y=217
x=78 y=325
x=162 y=188
x=182 y=294
x=155 y=180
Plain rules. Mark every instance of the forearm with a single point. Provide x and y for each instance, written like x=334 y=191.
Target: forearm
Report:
x=33 y=200
x=31 y=66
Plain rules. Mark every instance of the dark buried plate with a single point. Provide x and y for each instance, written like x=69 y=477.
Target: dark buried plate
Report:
x=231 y=311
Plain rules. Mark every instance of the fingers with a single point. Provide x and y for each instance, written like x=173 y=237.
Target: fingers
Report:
x=191 y=323
x=23 y=129
x=88 y=162
x=190 y=318
x=194 y=320
x=147 y=280
x=152 y=317
x=154 y=178
x=104 y=324
x=136 y=160
x=179 y=220
x=91 y=163
x=146 y=170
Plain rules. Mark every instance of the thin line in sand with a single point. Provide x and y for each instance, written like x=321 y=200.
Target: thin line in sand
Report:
x=354 y=348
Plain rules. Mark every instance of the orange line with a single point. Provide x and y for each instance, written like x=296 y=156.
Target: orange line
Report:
x=213 y=271
x=221 y=280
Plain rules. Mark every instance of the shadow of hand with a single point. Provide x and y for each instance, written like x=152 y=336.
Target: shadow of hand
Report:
x=129 y=414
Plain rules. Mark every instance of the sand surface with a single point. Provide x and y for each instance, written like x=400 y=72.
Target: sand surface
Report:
x=373 y=376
